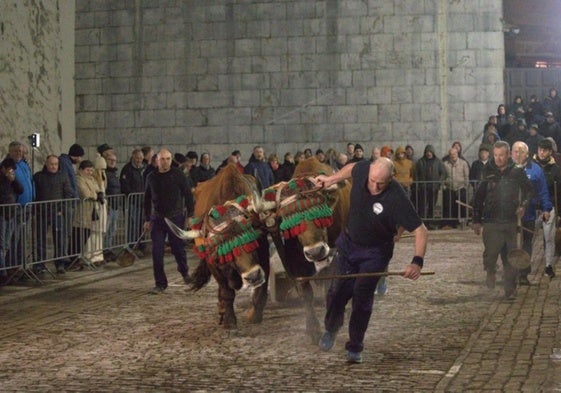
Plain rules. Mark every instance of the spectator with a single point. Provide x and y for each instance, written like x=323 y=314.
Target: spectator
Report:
x=410 y=153
x=233 y=158
x=299 y=156
x=518 y=109
x=10 y=189
x=148 y=153
x=51 y=184
x=308 y=153
x=193 y=156
x=429 y=174
x=532 y=139
x=104 y=149
x=458 y=146
x=115 y=203
x=404 y=170
x=151 y=167
x=67 y=162
x=509 y=131
x=358 y=154
x=501 y=116
x=342 y=160
x=16 y=151
x=376 y=153
x=478 y=166
x=551 y=128
x=387 y=152
x=490 y=134
x=259 y=168
x=87 y=211
x=320 y=155
x=534 y=111
x=331 y=158
x=552 y=103
x=552 y=173
x=167 y=196
x=287 y=167
x=556 y=155
x=350 y=152
x=455 y=188
x=94 y=245
x=273 y=161
x=204 y=171
x=132 y=184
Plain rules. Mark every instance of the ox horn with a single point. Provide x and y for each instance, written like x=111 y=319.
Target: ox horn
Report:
x=181 y=233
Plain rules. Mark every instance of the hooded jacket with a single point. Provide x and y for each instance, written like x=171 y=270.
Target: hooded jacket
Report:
x=429 y=170
x=404 y=168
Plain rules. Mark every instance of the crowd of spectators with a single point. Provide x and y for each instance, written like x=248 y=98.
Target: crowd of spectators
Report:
x=96 y=181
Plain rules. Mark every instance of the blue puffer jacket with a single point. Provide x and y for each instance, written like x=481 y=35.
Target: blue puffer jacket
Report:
x=541 y=198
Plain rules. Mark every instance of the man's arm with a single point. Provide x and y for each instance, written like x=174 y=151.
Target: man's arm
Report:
x=413 y=270
x=343 y=174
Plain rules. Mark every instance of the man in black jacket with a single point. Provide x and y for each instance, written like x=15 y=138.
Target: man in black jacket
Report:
x=51 y=184
x=10 y=189
x=132 y=183
x=503 y=194
x=115 y=202
x=168 y=196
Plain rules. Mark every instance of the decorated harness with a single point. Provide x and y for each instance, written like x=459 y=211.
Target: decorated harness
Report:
x=296 y=202
x=226 y=231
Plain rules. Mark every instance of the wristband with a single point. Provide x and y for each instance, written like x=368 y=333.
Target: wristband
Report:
x=418 y=261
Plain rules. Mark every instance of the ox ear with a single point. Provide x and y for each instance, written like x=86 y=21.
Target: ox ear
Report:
x=180 y=233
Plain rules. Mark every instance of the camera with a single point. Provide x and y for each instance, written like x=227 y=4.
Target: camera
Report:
x=34 y=140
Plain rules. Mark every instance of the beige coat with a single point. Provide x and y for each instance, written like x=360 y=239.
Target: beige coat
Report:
x=87 y=192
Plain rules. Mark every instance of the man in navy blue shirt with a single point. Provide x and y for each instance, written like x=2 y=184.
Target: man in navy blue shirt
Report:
x=379 y=206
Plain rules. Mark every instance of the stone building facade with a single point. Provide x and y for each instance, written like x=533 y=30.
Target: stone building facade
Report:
x=37 y=75
x=286 y=74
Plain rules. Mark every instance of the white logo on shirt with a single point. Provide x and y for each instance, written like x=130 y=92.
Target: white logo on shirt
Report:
x=377 y=208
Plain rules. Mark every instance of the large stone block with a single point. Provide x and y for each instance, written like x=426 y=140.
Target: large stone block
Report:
x=154 y=118
x=232 y=116
x=121 y=119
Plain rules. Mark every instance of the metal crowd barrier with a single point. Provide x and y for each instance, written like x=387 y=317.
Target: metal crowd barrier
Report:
x=435 y=201
x=42 y=237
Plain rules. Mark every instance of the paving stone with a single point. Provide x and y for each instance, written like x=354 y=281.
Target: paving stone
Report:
x=101 y=331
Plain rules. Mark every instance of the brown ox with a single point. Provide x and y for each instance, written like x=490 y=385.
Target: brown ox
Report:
x=253 y=266
x=310 y=219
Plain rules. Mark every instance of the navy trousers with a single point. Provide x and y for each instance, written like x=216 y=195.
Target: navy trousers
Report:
x=158 y=233
x=352 y=259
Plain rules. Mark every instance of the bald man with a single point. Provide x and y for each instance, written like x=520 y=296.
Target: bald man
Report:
x=167 y=195
x=379 y=206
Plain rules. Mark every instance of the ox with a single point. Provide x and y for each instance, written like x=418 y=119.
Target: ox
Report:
x=309 y=219
x=230 y=248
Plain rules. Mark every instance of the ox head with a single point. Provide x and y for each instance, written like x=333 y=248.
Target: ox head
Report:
x=226 y=235
x=303 y=210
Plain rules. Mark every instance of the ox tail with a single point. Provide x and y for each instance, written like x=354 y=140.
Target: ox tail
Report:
x=201 y=277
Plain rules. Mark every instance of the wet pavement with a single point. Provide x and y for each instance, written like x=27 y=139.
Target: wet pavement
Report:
x=102 y=331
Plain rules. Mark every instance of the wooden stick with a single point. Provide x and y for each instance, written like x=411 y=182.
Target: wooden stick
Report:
x=356 y=275
x=463 y=204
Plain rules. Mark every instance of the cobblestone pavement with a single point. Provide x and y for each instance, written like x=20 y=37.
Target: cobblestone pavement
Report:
x=102 y=331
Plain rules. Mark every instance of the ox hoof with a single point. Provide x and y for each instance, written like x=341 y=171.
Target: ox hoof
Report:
x=253 y=317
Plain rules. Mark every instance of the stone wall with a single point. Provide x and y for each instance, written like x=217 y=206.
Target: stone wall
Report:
x=36 y=75
x=219 y=75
